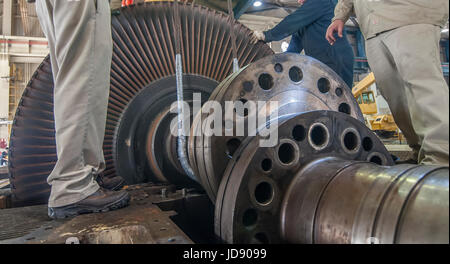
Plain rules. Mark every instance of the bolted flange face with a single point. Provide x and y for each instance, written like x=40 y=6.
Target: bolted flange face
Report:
x=296 y=83
x=253 y=187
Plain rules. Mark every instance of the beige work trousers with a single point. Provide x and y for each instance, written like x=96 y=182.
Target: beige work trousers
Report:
x=407 y=67
x=79 y=37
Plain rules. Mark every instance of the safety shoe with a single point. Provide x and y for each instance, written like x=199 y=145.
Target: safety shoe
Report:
x=101 y=201
x=110 y=183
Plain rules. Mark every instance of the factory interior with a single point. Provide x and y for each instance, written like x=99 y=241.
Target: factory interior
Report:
x=216 y=134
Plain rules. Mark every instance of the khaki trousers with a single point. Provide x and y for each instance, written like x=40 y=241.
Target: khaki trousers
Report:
x=407 y=67
x=79 y=37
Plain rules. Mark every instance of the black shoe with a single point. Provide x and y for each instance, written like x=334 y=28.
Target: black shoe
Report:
x=101 y=201
x=113 y=184
x=409 y=161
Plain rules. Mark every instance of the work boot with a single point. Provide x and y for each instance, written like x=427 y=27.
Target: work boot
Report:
x=113 y=184
x=101 y=201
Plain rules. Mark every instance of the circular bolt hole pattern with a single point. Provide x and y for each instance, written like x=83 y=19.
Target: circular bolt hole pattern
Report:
x=339 y=92
x=319 y=136
x=367 y=144
x=377 y=160
x=250 y=218
x=278 y=68
x=260 y=238
x=243 y=101
x=345 y=108
x=264 y=193
x=324 y=85
x=266 y=165
x=295 y=74
x=232 y=145
x=299 y=133
x=266 y=81
x=248 y=86
x=286 y=153
x=351 y=141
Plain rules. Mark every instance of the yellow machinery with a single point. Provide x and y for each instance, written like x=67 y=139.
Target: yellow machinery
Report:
x=383 y=125
x=365 y=97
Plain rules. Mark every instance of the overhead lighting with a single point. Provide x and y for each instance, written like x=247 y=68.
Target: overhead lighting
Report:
x=257 y=4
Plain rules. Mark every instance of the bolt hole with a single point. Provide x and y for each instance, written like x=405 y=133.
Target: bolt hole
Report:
x=248 y=86
x=324 y=85
x=162 y=229
x=295 y=74
x=351 y=141
x=367 y=144
x=250 y=218
x=286 y=153
x=345 y=108
x=266 y=165
x=339 y=92
x=319 y=135
x=266 y=81
x=264 y=193
x=377 y=160
x=232 y=145
x=278 y=68
x=260 y=238
x=299 y=133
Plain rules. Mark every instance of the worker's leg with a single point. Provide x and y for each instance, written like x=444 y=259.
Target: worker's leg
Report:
x=392 y=88
x=83 y=54
x=416 y=53
x=44 y=10
x=115 y=4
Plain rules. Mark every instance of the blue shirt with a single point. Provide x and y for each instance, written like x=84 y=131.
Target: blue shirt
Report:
x=308 y=26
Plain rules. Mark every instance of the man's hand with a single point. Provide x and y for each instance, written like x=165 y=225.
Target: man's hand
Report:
x=337 y=25
x=258 y=36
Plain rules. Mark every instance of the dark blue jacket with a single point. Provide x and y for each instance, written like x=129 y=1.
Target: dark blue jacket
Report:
x=308 y=26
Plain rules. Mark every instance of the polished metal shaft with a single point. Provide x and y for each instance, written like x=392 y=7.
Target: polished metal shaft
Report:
x=336 y=201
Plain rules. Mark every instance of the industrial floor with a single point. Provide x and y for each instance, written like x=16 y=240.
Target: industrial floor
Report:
x=158 y=214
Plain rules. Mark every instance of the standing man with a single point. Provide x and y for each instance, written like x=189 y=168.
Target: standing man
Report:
x=307 y=25
x=402 y=43
x=79 y=38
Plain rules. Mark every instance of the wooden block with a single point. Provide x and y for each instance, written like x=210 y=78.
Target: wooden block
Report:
x=5 y=201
